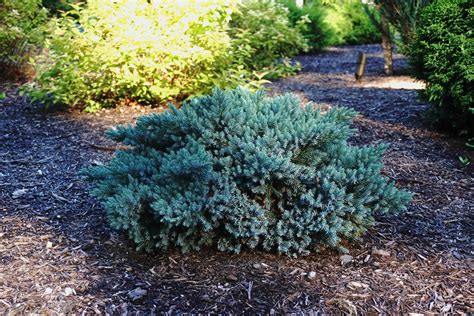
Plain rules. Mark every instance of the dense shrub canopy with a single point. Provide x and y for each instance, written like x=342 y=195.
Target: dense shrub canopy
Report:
x=310 y=20
x=155 y=51
x=353 y=22
x=263 y=34
x=237 y=169
x=442 y=54
x=22 y=32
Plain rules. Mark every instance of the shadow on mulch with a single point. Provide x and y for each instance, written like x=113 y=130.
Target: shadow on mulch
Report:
x=417 y=262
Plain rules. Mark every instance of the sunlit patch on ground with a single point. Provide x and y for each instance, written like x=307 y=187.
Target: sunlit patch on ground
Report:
x=397 y=82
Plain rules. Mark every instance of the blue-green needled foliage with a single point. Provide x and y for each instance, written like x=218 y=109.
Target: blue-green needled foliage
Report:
x=241 y=170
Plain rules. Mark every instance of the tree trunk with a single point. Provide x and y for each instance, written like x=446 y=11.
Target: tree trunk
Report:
x=387 y=46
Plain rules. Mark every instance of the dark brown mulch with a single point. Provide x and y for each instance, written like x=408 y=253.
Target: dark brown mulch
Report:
x=57 y=254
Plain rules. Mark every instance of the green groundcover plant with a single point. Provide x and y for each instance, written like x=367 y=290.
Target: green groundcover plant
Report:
x=239 y=170
x=152 y=52
x=442 y=54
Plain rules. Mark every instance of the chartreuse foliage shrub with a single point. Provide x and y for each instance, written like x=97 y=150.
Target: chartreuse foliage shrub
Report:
x=239 y=170
x=152 y=52
x=136 y=50
x=352 y=22
x=310 y=19
x=22 y=32
x=442 y=54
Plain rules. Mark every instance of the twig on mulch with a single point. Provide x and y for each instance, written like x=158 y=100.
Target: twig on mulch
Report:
x=100 y=147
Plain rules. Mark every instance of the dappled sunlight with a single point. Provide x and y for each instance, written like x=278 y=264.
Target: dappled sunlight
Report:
x=395 y=82
x=346 y=81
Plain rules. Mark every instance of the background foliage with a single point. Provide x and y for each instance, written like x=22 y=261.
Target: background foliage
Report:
x=403 y=16
x=102 y=52
x=155 y=52
x=236 y=169
x=352 y=22
x=263 y=37
x=22 y=32
x=58 y=6
x=442 y=54
x=135 y=50
x=315 y=28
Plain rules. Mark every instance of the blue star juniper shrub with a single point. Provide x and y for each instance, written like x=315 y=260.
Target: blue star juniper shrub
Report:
x=239 y=170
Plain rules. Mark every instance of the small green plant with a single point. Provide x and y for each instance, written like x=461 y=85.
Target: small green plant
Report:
x=464 y=160
x=238 y=170
x=470 y=143
x=442 y=54
x=22 y=33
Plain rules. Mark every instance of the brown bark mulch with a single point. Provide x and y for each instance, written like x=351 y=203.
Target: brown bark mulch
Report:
x=58 y=255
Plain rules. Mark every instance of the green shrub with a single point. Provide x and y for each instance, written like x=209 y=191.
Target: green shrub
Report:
x=442 y=54
x=158 y=51
x=237 y=169
x=135 y=51
x=310 y=20
x=263 y=37
x=22 y=32
x=351 y=22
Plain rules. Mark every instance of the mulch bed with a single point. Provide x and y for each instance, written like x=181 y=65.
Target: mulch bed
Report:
x=58 y=255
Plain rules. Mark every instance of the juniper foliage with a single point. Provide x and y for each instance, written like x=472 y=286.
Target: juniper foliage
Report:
x=239 y=170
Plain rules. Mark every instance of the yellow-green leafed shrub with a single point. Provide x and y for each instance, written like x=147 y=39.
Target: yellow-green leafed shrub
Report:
x=148 y=52
x=135 y=50
x=22 y=32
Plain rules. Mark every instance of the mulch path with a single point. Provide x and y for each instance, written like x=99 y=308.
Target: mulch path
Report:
x=58 y=255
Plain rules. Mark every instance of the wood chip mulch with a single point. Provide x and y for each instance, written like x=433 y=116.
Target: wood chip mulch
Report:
x=58 y=255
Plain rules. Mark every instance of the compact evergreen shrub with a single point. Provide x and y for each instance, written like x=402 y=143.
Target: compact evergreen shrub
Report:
x=315 y=27
x=22 y=32
x=442 y=54
x=237 y=169
x=352 y=22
